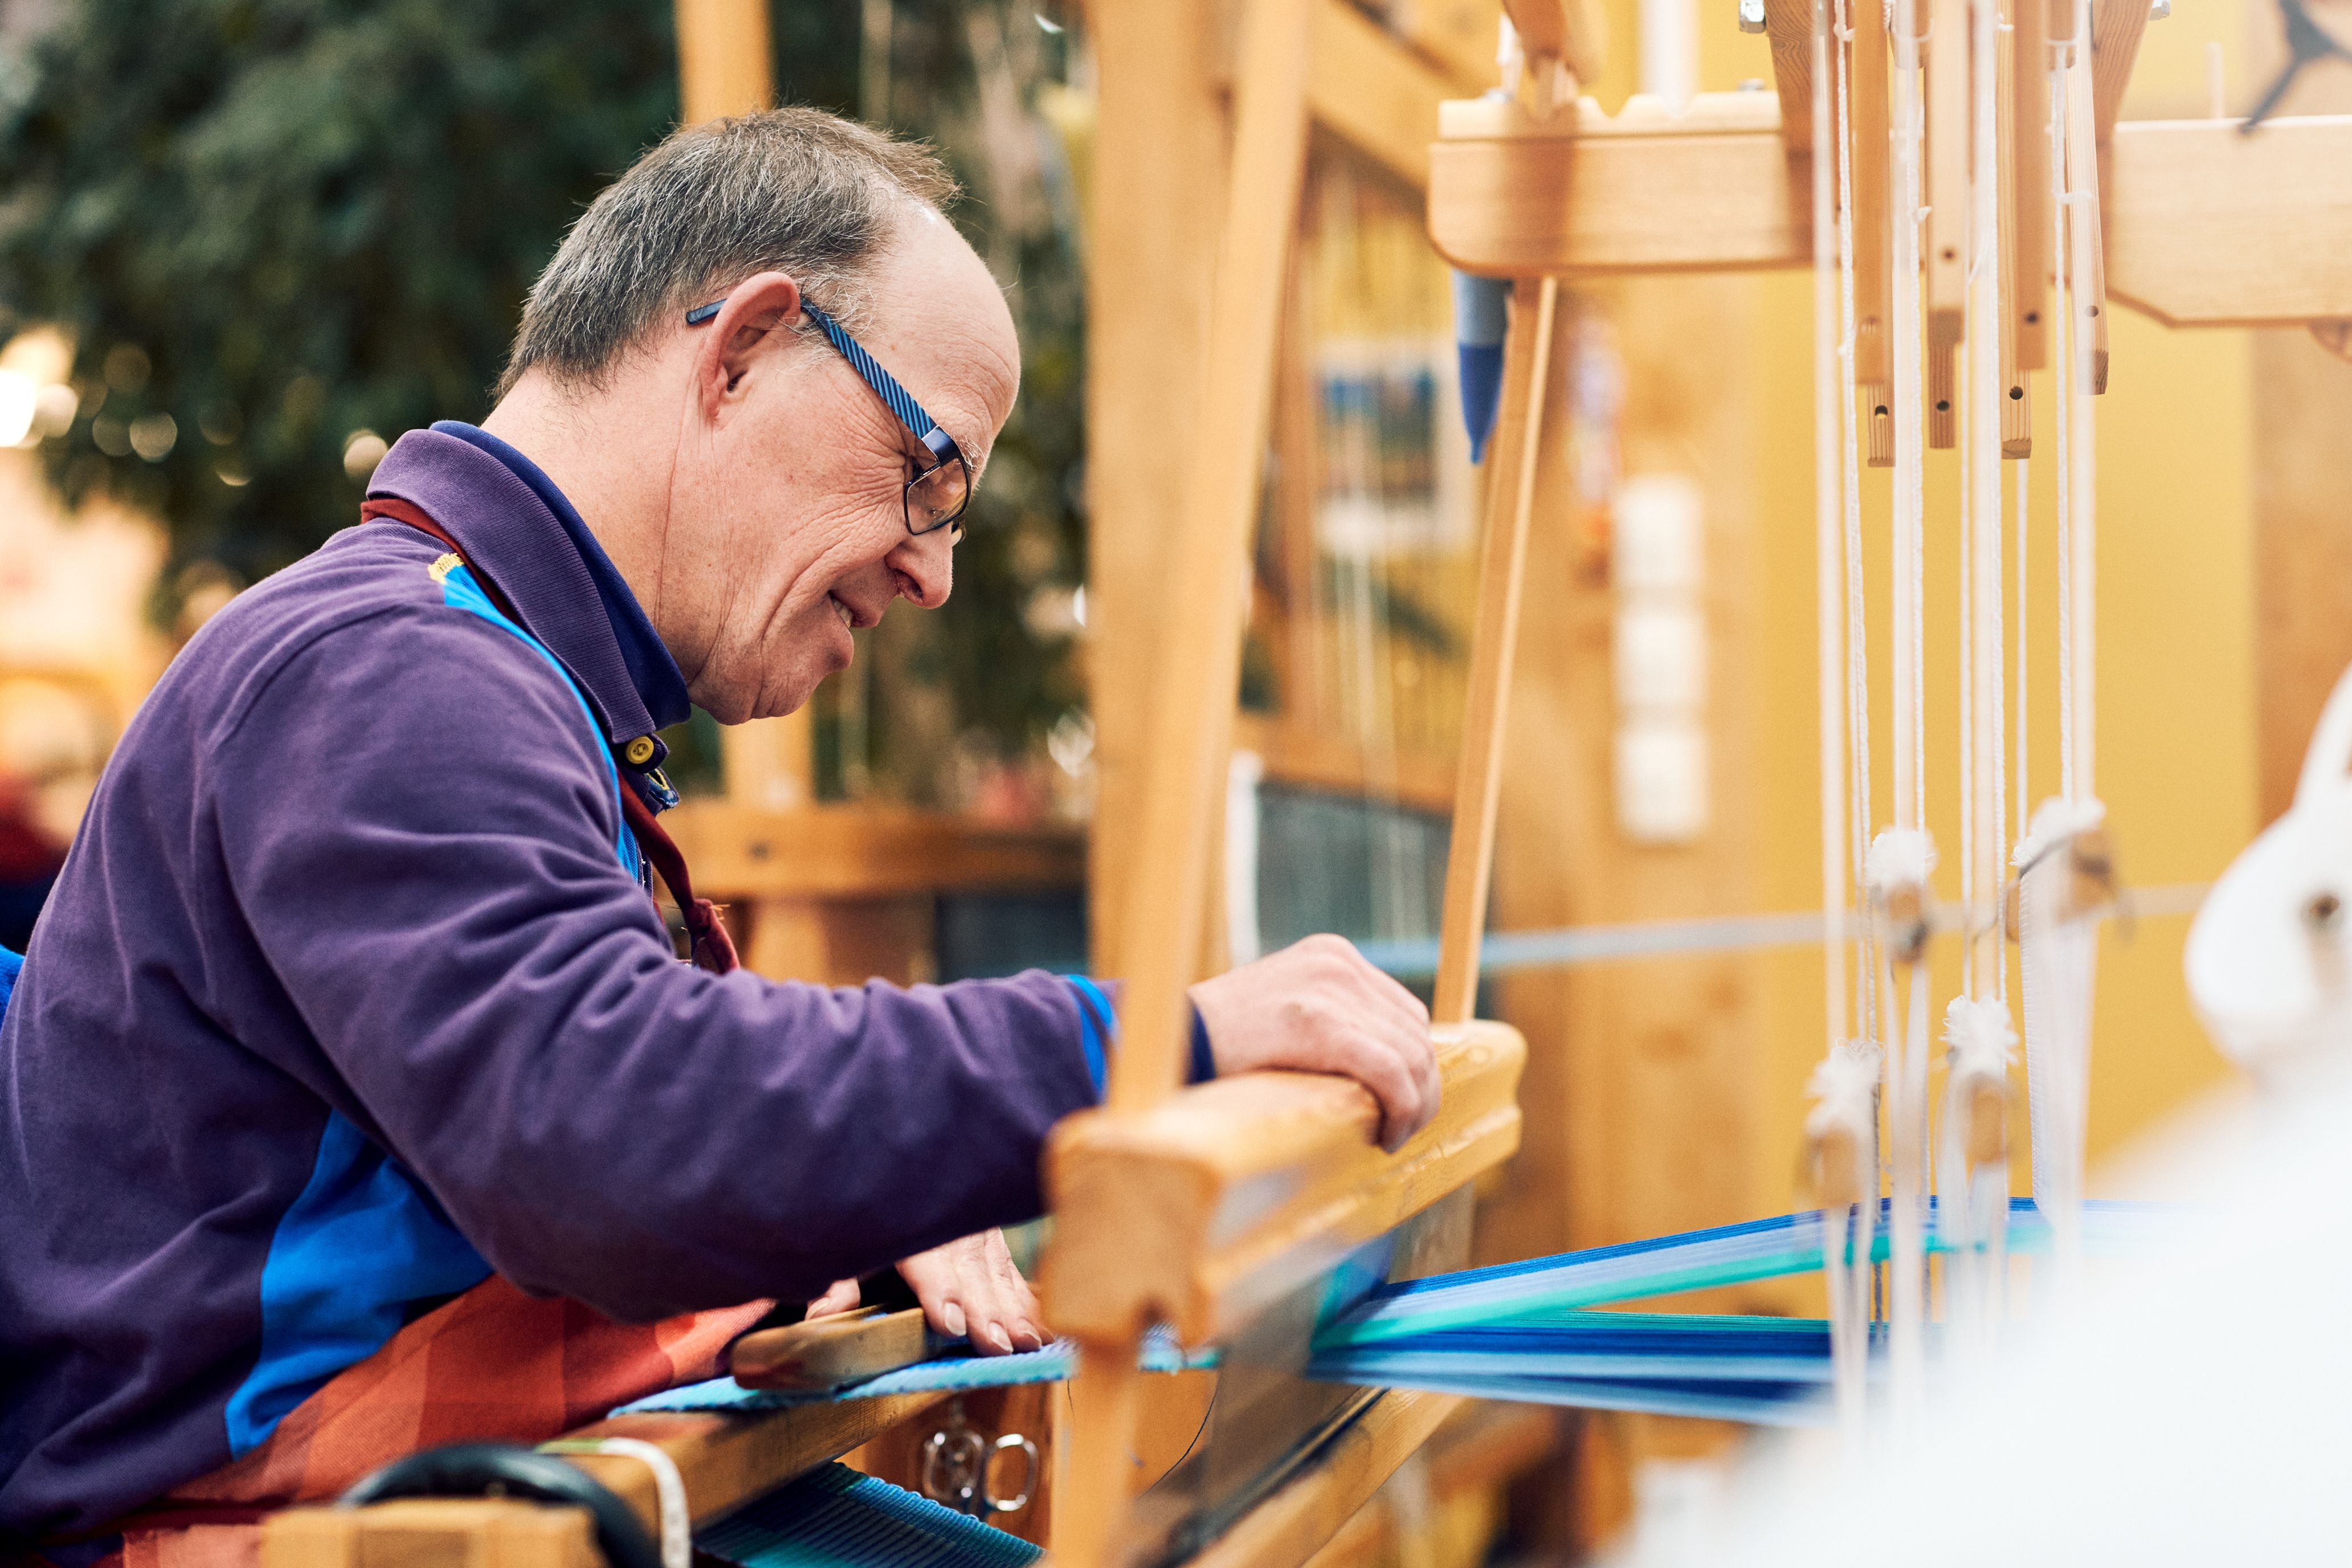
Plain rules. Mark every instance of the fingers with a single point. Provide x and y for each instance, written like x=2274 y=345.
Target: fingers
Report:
x=1319 y=1005
x=972 y=1289
x=839 y=1296
x=1394 y=1024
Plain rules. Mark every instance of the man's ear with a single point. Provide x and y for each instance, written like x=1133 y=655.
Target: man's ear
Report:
x=751 y=327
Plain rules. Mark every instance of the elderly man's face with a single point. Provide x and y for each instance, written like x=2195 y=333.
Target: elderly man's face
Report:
x=786 y=513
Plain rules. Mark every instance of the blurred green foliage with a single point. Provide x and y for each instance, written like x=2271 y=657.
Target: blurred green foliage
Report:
x=278 y=223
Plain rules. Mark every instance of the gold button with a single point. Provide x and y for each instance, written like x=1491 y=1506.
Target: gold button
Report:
x=640 y=751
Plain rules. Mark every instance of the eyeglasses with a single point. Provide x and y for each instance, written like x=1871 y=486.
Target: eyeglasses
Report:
x=938 y=493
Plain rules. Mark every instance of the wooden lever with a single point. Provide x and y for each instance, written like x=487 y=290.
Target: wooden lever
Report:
x=828 y=1352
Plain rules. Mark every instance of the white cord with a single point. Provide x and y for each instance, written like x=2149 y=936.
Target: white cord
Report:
x=669 y=1489
x=1907 y=1074
x=2082 y=570
x=2024 y=640
x=1984 y=649
x=2061 y=324
x=1857 y=648
x=1828 y=507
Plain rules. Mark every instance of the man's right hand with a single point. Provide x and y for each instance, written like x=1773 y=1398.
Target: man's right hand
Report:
x=1317 y=1006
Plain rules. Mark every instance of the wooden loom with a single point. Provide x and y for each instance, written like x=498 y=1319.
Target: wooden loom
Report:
x=1162 y=1198
x=1201 y=1207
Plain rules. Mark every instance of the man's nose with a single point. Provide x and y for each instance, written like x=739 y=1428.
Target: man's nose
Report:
x=925 y=566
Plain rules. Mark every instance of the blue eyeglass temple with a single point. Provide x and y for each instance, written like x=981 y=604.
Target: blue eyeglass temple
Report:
x=911 y=414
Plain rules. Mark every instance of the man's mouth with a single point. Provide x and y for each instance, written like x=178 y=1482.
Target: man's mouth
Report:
x=848 y=619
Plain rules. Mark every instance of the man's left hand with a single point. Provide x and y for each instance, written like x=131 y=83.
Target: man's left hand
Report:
x=970 y=1289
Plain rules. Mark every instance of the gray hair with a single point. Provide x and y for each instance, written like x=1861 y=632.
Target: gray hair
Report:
x=795 y=191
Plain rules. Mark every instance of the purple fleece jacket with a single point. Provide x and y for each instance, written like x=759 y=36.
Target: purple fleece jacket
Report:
x=349 y=996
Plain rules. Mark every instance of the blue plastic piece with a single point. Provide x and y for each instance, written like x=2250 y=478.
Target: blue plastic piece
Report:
x=1480 y=315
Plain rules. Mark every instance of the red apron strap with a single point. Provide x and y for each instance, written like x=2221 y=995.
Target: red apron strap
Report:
x=713 y=949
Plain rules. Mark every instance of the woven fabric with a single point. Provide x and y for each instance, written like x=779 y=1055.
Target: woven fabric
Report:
x=835 y=1518
x=492 y=1364
x=952 y=1373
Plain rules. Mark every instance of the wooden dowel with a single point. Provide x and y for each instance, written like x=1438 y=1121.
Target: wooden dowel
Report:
x=1947 y=210
x=2083 y=179
x=1947 y=167
x=2029 y=181
x=2016 y=406
x=1090 y=1493
x=1189 y=743
x=1874 y=362
x=1501 y=566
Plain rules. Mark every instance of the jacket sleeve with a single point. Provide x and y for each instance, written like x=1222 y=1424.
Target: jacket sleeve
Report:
x=427 y=855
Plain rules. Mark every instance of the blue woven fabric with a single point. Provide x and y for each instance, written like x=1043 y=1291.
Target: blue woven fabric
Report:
x=952 y=1373
x=835 y=1518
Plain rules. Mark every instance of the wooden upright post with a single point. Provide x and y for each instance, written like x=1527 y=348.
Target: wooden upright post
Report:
x=724 y=68
x=723 y=58
x=1159 y=191
x=1189 y=734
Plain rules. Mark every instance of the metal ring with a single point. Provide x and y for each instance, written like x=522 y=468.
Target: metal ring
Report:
x=1010 y=1440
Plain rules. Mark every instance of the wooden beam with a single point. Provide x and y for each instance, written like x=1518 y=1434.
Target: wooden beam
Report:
x=724 y=1460
x=432 y=1532
x=1312 y=757
x=1502 y=568
x=2116 y=29
x=2208 y=228
x=1206 y=1208
x=1479 y=1448
x=2204 y=226
x=1788 y=27
x=1374 y=94
x=819 y=1354
x=741 y=852
x=1712 y=190
x=728 y=1460
x=1287 y=1528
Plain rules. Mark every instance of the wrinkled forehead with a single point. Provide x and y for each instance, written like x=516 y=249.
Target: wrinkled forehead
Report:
x=938 y=321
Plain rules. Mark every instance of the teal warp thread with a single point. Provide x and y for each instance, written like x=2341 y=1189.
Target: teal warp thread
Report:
x=835 y=1518
x=1524 y=1331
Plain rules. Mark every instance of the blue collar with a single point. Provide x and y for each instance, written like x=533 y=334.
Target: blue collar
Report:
x=652 y=670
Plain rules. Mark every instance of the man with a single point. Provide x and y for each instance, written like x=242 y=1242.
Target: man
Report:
x=351 y=1024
